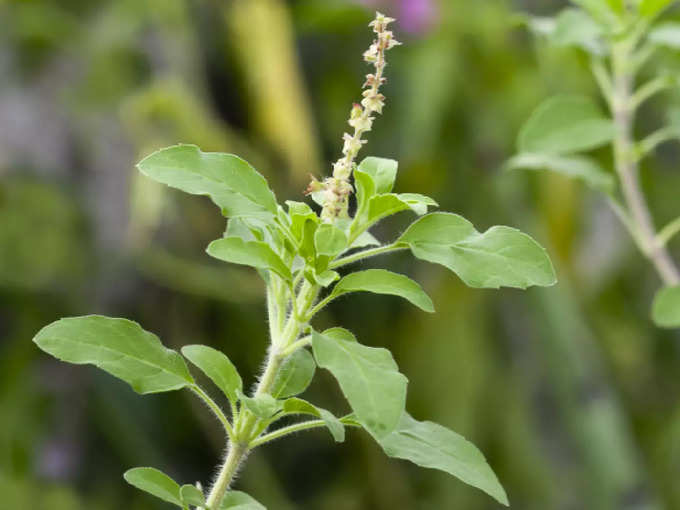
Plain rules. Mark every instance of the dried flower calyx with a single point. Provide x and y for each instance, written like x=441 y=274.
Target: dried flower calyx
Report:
x=333 y=193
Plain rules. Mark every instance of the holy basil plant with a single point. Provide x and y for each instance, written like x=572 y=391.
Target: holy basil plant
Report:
x=305 y=259
x=620 y=38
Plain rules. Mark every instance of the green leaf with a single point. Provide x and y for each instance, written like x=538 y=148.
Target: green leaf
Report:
x=577 y=167
x=262 y=406
x=368 y=377
x=237 y=227
x=155 y=483
x=650 y=8
x=236 y=500
x=325 y=278
x=666 y=307
x=382 y=206
x=382 y=171
x=232 y=184
x=295 y=374
x=300 y=406
x=249 y=253
x=430 y=445
x=329 y=240
x=606 y=12
x=381 y=281
x=500 y=257
x=365 y=190
x=417 y=202
x=190 y=495
x=299 y=213
x=666 y=34
x=565 y=124
x=574 y=27
x=365 y=239
x=118 y=346
x=217 y=367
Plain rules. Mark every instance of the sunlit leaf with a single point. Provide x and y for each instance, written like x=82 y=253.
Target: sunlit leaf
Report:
x=383 y=171
x=118 y=346
x=232 y=184
x=430 y=445
x=368 y=377
x=380 y=281
x=565 y=124
x=499 y=257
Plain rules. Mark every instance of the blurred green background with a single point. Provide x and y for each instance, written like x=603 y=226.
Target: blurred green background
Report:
x=570 y=391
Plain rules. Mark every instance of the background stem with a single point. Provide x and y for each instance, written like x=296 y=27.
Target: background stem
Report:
x=628 y=171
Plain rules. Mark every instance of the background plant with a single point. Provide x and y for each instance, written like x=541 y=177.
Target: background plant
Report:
x=621 y=39
x=296 y=252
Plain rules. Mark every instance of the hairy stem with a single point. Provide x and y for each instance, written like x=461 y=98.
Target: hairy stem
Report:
x=247 y=426
x=231 y=464
x=365 y=254
x=627 y=167
x=284 y=431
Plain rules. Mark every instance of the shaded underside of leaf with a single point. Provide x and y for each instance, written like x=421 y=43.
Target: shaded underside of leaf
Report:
x=577 y=167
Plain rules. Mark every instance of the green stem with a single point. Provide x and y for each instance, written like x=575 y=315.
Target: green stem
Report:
x=649 y=89
x=651 y=142
x=231 y=464
x=296 y=345
x=284 y=431
x=247 y=426
x=365 y=254
x=667 y=233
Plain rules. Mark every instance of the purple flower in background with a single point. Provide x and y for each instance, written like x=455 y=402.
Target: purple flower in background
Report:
x=414 y=16
x=417 y=16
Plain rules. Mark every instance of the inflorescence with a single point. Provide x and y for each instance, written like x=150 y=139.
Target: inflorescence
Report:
x=334 y=191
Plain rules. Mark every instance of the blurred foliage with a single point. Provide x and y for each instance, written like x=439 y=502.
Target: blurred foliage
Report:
x=571 y=392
